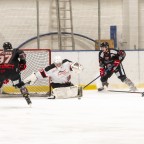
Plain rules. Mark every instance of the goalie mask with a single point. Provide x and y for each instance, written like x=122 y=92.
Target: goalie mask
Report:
x=7 y=46
x=58 y=61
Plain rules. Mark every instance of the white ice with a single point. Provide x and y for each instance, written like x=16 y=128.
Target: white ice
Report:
x=98 y=118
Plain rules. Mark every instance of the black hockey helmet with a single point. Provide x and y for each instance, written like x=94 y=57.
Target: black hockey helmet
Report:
x=7 y=46
x=104 y=44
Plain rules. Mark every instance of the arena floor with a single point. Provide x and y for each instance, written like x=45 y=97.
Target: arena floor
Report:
x=98 y=118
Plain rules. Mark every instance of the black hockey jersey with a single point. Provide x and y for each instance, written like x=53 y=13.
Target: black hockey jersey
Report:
x=108 y=58
x=10 y=60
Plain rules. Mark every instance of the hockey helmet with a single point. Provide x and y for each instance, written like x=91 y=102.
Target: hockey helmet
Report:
x=7 y=46
x=104 y=44
x=58 y=62
x=57 y=59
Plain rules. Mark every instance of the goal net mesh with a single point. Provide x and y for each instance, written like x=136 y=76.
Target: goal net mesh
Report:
x=36 y=59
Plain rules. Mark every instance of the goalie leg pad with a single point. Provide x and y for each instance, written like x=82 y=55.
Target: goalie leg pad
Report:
x=66 y=92
x=30 y=79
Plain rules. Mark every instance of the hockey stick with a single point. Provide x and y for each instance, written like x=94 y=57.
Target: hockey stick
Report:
x=142 y=93
x=91 y=82
x=94 y=80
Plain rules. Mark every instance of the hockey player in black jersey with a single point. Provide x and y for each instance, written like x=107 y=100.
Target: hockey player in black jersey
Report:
x=110 y=61
x=12 y=62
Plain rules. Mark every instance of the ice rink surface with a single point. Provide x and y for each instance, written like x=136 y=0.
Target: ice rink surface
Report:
x=98 y=118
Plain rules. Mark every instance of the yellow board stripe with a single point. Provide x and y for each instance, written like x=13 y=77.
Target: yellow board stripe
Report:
x=11 y=89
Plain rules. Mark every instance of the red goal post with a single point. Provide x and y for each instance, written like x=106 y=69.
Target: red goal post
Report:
x=36 y=59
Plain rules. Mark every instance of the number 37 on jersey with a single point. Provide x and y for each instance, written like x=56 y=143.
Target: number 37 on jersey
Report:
x=5 y=57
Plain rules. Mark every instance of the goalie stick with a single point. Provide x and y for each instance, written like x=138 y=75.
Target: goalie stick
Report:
x=142 y=93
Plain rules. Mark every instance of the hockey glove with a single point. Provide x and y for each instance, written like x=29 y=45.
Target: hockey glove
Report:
x=112 y=67
x=122 y=55
x=22 y=67
x=6 y=81
x=102 y=72
x=116 y=64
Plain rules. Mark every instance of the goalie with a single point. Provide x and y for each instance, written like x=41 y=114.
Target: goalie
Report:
x=59 y=73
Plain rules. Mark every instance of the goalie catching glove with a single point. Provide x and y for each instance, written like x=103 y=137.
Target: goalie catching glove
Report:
x=76 y=67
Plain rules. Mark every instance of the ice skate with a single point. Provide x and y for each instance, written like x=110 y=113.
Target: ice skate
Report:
x=104 y=86
x=27 y=98
x=101 y=89
x=133 y=89
x=131 y=85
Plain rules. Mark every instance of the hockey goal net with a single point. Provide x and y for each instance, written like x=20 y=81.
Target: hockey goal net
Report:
x=36 y=59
